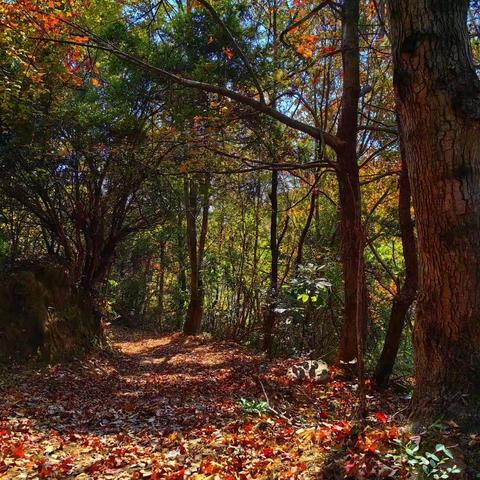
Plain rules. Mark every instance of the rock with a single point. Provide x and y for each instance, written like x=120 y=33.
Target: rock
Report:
x=314 y=370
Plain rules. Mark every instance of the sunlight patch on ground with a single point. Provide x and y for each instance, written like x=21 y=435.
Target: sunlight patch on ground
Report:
x=169 y=408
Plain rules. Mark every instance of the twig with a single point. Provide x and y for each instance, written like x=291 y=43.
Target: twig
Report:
x=276 y=412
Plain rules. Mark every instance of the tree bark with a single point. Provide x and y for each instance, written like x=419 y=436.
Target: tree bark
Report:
x=355 y=290
x=196 y=249
x=161 y=284
x=269 y=314
x=181 y=251
x=438 y=98
x=305 y=229
x=406 y=295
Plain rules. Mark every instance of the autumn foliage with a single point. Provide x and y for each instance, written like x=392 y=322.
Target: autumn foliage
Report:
x=170 y=408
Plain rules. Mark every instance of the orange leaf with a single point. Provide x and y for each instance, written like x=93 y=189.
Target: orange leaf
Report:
x=392 y=433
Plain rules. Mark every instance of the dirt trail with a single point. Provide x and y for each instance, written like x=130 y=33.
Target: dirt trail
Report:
x=168 y=408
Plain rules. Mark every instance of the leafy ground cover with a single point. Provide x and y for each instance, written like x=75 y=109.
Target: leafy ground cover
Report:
x=175 y=407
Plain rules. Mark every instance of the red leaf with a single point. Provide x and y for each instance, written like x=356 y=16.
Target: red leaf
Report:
x=228 y=52
x=381 y=417
x=18 y=451
x=267 y=452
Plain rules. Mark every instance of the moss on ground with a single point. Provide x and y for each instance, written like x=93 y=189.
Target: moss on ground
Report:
x=42 y=315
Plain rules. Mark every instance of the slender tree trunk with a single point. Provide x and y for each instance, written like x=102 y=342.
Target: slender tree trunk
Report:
x=269 y=314
x=181 y=275
x=438 y=98
x=406 y=295
x=161 y=284
x=193 y=321
x=355 y=290
x=306 y=228
x=193 y=318
x=253 y=290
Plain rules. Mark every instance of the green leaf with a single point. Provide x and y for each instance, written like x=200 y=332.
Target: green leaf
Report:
x=303 y=297
x=439 y=447
x=432 y=456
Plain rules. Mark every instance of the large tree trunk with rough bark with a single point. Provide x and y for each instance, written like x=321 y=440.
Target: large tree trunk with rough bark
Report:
x=406 y=295
x=438 y=97
x=355 y=290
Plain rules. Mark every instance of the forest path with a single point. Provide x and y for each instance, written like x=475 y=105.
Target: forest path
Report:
x=169 y=407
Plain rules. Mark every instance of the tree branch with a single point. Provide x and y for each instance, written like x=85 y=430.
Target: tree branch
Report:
x=235 y=46
x=304 y=18
x=331 y=140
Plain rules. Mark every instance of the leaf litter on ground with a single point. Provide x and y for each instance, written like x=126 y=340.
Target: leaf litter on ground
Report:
x=174 y=407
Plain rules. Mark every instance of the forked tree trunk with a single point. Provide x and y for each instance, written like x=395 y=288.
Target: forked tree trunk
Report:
x=355 y=290
x=406 y=295
x=438 y=97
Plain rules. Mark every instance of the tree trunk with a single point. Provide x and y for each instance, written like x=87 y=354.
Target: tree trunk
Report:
x=305 y=229
x=406 y=295
x=161 y=284
x=355 y=290
x=269 y=315
x=438 y=97
x=193 y=320
x=181 y=276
